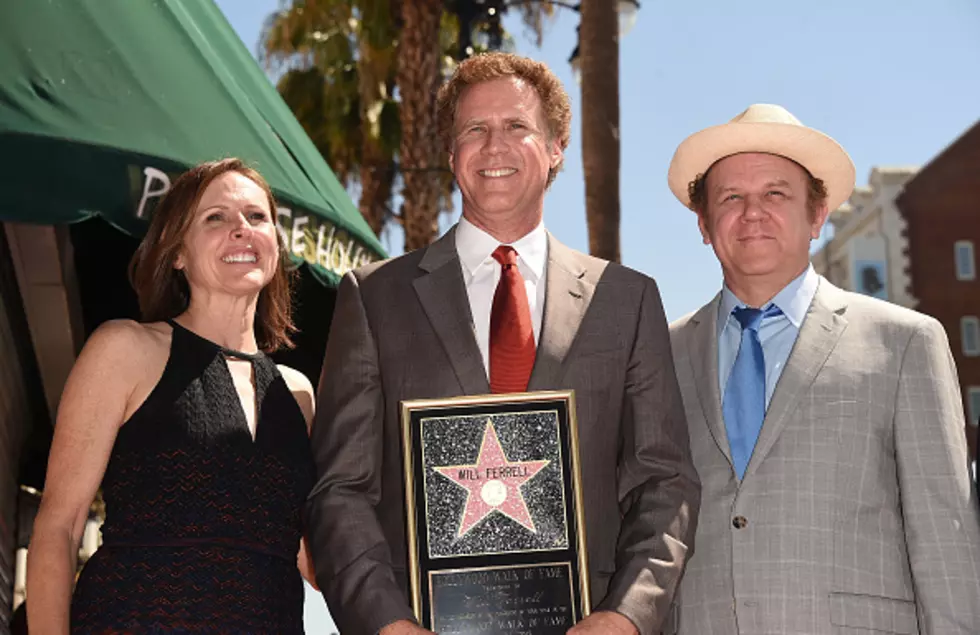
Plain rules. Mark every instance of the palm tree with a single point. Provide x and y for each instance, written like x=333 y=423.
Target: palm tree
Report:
x=343 y=62
x=378 y=110
x=419 y=76
x=339 y=78
x=599 y=58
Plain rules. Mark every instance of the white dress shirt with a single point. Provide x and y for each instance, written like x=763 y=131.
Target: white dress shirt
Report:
x=481 y=274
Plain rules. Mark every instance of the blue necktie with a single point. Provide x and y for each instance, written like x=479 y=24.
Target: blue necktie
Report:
x=744 y=404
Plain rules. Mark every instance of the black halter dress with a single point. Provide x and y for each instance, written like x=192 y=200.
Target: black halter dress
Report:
x=203 y=522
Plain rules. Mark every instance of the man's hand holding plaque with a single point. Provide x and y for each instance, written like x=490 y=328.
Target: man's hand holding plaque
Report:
x=404 y=627
x=604 y=623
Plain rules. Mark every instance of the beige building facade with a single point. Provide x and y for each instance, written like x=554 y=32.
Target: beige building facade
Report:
x=868 y=252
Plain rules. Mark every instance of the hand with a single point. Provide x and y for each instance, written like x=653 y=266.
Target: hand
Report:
x=604 y=623
x=403 y=627
x=304 y=560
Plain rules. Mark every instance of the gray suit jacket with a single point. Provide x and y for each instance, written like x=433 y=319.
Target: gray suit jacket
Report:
x=857 y=500
x=402 y=330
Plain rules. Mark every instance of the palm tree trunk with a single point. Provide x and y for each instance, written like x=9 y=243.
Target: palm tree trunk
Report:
x=599 y=50
x=377 y=180
x=418 y=81
x=377 y=171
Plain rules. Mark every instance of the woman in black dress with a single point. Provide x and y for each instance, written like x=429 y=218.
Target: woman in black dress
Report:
x=199 y=440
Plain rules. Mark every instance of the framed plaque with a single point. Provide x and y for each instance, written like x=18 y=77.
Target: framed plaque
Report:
x=495 y=523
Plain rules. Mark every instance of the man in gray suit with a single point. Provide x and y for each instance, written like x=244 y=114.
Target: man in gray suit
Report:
x=826 y=426
x=499 y=303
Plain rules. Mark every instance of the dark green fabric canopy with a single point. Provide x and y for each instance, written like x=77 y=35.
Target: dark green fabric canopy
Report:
x=104 y=102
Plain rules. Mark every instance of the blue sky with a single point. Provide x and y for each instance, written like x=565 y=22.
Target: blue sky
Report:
x=893 y=82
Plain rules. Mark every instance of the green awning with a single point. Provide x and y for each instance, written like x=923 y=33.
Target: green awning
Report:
x=103 y=102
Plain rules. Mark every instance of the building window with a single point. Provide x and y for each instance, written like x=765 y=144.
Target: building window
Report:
x=973 y=403
x=970 y=333
x=965 y=265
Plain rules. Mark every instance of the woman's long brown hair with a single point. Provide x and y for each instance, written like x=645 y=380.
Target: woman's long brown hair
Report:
x=162 y=289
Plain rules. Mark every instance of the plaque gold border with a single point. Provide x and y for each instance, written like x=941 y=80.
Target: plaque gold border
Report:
x=409 y=406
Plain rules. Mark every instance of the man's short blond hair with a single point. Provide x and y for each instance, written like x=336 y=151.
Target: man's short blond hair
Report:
x=490 y=66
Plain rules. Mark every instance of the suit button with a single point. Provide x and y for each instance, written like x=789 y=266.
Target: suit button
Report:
x=739 y=522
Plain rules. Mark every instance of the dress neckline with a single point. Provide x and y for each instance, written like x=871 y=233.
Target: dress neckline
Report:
x=228 y=352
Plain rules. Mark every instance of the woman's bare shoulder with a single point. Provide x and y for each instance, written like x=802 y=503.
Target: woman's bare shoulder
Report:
x=299 y=384
x=127 y=349
x=127 y=333
x=296 y=380
x=125 y=357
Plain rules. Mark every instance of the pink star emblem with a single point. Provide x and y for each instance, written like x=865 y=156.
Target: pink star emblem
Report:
x=493 y=484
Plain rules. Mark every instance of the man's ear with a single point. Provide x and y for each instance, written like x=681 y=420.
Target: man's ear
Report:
x=703 y=227
x=817 y=222
x=557 y=155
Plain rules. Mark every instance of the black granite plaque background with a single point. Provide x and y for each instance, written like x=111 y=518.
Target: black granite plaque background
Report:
x=527 y=436
x=518 y=600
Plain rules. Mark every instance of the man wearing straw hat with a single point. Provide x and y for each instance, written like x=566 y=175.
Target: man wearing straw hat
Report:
x=826 y=426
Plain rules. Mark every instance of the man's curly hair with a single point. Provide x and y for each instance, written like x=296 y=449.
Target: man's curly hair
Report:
x=490 y=66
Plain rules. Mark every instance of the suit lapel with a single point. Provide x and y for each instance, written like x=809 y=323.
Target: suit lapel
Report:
x=567 y=297
x=819 y=334
x=703 y=346
x=442 y=293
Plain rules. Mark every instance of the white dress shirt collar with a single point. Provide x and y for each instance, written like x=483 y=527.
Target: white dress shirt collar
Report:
x=475 y=247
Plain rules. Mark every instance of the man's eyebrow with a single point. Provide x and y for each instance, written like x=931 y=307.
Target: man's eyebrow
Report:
x=718 y=189
x=778 y=182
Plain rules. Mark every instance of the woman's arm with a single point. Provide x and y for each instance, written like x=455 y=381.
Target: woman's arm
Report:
x=93 y=406
x=303 y=392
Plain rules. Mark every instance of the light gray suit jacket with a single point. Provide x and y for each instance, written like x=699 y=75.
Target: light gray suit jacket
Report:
x=402 y=330
x=857 y=499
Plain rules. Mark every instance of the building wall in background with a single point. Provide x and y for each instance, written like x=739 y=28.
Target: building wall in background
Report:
x=869 y=250
x=941 y=207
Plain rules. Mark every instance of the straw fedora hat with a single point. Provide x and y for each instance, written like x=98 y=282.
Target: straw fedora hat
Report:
x=770 y=129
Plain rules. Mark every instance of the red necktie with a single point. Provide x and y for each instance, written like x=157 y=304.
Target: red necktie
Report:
x=511 y=332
